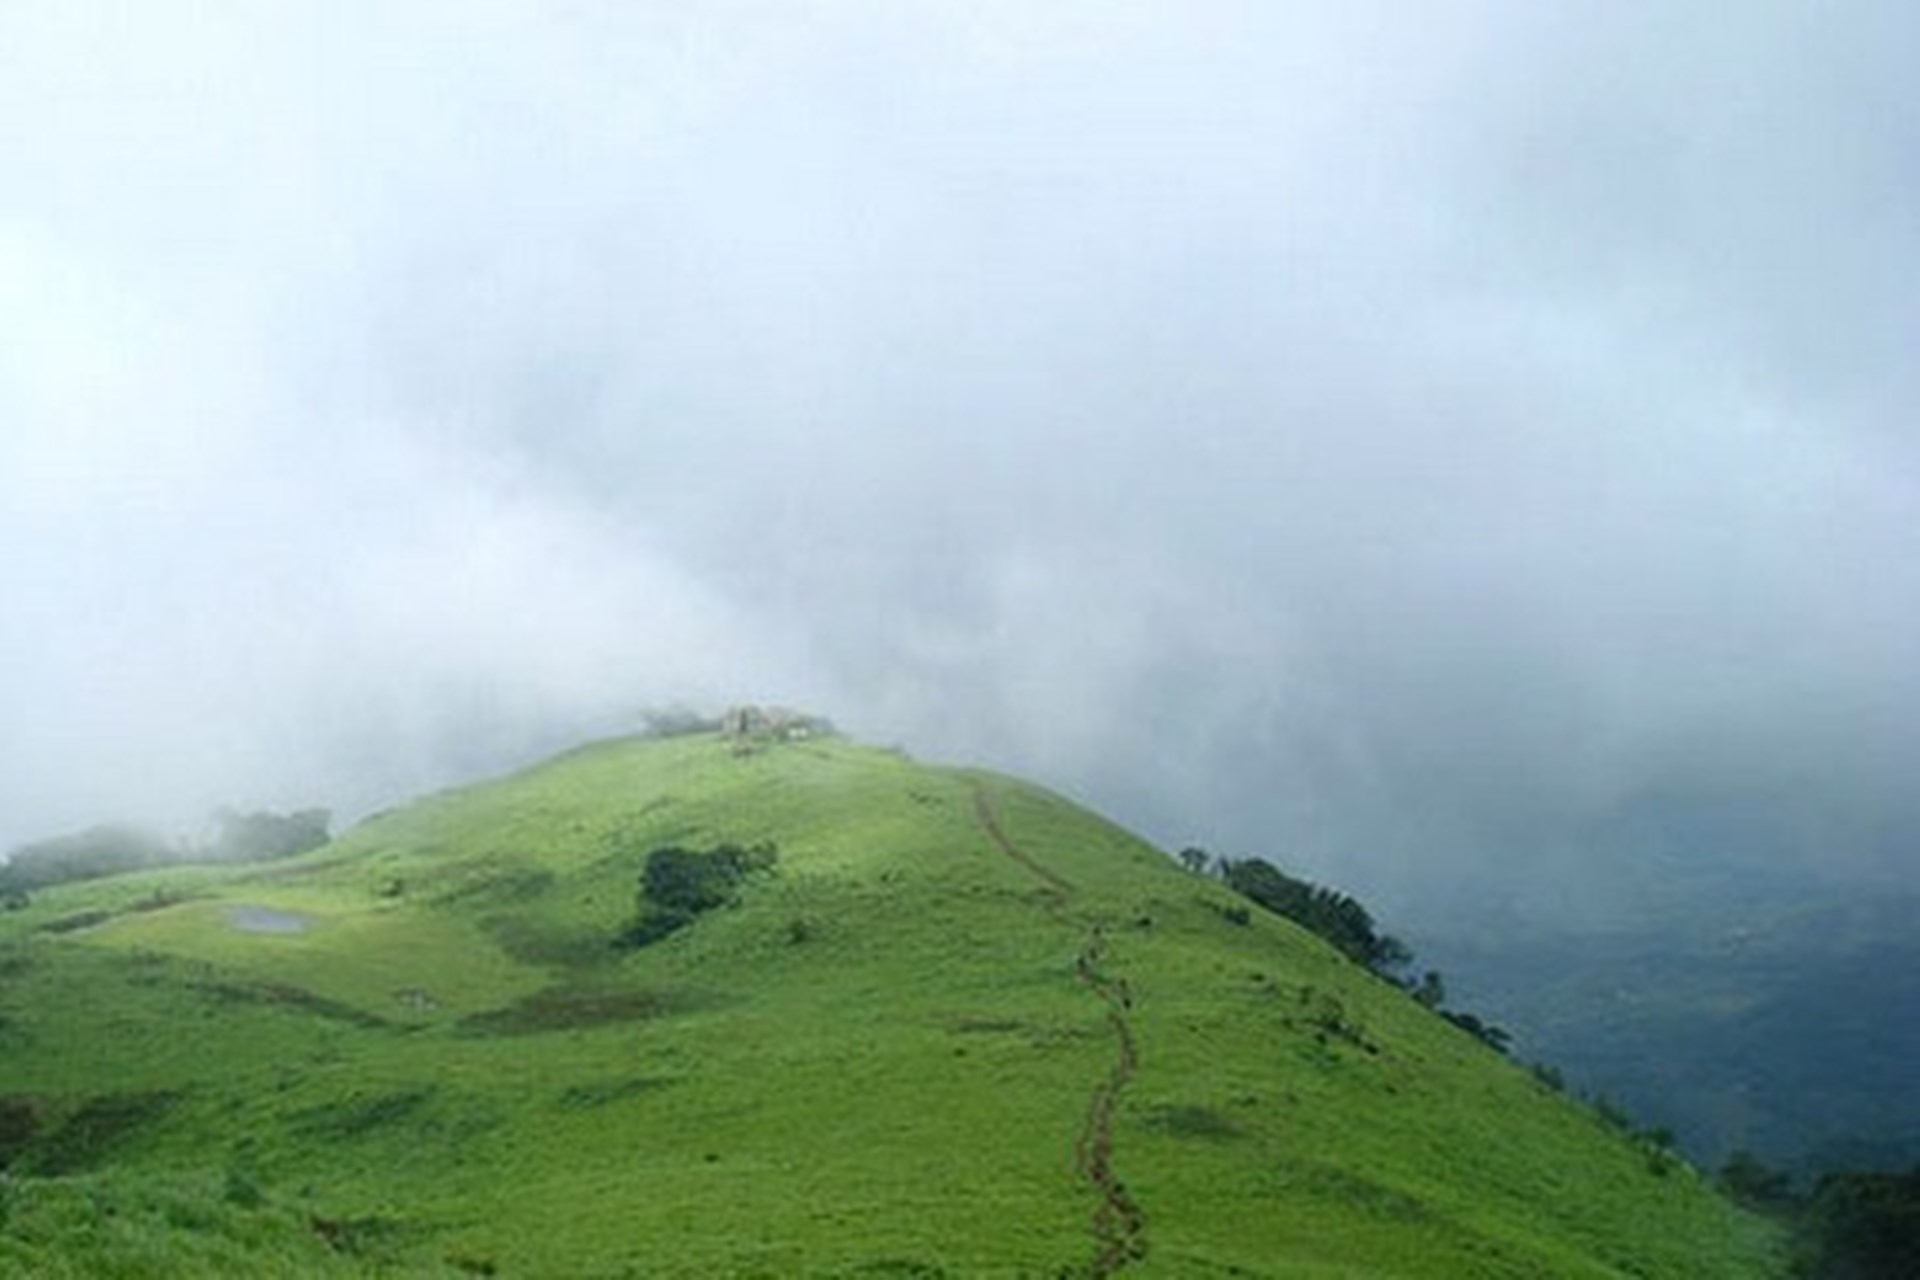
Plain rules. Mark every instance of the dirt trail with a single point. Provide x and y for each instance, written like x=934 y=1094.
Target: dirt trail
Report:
x=990 y=823
x=1119 y=1224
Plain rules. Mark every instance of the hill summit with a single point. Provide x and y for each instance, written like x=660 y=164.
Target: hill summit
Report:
x=755 y=1000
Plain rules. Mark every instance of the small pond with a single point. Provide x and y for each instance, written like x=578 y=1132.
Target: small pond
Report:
x=254 y=919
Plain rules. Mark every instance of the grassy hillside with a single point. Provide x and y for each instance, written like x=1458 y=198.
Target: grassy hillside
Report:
x=961 y=1028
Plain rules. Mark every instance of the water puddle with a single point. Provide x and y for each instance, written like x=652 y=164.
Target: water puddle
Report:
x=252 y=919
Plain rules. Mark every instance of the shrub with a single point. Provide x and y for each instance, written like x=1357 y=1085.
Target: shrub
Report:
x=677 y=885
x=1485 y=1032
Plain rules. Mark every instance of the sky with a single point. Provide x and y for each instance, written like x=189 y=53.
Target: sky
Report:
x=1453 y=448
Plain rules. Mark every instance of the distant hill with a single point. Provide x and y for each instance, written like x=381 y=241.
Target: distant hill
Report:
x=765 y=1002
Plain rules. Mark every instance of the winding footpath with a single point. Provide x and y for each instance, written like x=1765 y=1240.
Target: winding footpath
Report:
x=1119 y=1225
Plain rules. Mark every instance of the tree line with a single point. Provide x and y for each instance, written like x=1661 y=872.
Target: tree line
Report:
x=110 y=849
x=1848 y=1225
x=1343 y=921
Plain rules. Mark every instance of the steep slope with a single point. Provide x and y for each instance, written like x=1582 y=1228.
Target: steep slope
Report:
x=962 y=1028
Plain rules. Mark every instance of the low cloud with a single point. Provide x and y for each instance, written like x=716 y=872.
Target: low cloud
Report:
x=1418 y=450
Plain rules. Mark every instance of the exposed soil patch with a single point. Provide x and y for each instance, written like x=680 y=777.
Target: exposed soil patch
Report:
x=1119 y=1225
x=990 y=823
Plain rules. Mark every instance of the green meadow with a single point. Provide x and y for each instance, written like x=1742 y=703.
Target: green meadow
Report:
x=961 y=1027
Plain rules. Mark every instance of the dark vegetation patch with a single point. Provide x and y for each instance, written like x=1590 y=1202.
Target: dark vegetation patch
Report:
x=99 y=1127
x=1375 y=1199
x=535 y=942
x=1040 y=1035
x=1323 y=1016
x=500 y=885
x=285 y=996
x=569 y=1008
x=77 y=921
x=359 y=1115
x=159 y=900
x=900 y=1269
x=988 y=1026
x=1186 y=1121
x=599 y=1093
x=678 y=885
x=1233 y=913
x=19 y=1124
x=370 y=1236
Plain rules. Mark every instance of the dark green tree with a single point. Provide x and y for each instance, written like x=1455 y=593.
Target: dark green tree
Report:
x=261 y=835
x=678 y=884
x=1865 y=1226
x=1431 y=990
x=85 y=855
x=1340 y=919
x=1748 y=1180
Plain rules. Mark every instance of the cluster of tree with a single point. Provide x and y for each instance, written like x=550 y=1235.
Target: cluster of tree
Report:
x=677 y=885
x=1343 y=921
x=111 y=849
x=1333 y=915
x=104 y=850
x=1847 y=1226
x=260 y=836
x=675 y=722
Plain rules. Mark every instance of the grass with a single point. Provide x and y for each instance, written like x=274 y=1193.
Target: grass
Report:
x=879 y=1062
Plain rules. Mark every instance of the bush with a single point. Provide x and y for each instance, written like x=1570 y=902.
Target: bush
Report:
x=677 y=885
x=1485 y=1032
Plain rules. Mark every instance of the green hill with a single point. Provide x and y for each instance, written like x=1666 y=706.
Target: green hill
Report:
x=959 y=1027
